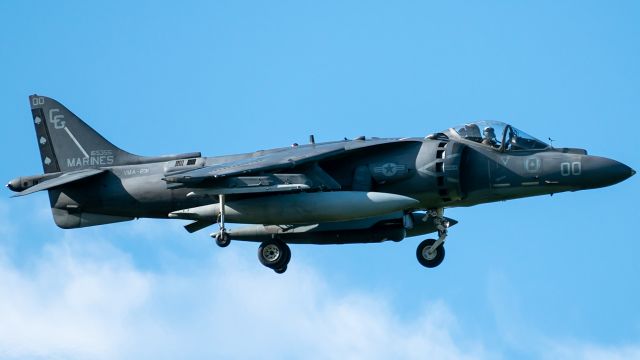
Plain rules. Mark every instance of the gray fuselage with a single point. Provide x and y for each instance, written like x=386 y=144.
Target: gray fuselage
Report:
x=436 y=173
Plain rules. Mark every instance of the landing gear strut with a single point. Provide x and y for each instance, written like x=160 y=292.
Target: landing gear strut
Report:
x=222 y=236
x=274 y=254
x=430 y=252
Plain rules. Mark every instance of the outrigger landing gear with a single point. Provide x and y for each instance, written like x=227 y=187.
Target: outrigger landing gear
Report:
x=222 y=236
x=274 y=254
x=430 y=252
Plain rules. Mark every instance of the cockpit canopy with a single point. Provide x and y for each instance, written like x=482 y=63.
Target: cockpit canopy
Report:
x=497 y=135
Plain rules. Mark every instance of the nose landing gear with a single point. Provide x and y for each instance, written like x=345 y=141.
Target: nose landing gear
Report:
x=427 y=257
x=430 y=252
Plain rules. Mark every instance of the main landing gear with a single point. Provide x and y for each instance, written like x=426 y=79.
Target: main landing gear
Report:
x=274 y=253
x=430 y=252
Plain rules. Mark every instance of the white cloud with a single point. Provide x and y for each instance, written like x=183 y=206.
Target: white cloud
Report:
x=66 y=306
x=75 y=304
x=82 y=298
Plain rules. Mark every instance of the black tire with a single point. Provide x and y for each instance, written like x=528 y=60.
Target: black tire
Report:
x=223 y=239
x=274 y=254
x=288 y=255
x=426 y=260
x=280 y=270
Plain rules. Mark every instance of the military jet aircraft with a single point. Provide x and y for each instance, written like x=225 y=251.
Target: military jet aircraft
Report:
x=363 y=190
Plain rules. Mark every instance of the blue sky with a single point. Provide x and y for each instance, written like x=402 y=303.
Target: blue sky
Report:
x=547 y=277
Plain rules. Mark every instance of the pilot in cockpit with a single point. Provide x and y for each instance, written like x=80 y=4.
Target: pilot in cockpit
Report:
x=472 y=132
x=489 y=137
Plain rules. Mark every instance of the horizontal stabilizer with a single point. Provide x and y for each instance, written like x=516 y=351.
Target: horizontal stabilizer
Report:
x=63 y=179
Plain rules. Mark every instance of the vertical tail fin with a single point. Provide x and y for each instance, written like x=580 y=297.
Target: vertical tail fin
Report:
x=67 y=143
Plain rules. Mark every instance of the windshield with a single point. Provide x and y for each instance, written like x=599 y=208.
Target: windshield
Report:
x=497 y=135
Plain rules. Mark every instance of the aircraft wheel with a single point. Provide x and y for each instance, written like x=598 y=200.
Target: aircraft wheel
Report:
x=426 y=259
x=274 y=254
x=223 y=239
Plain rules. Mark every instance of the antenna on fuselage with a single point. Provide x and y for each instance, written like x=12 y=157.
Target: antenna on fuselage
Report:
x=551 y=141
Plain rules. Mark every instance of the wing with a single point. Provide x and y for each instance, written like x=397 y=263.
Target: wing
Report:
x=281 y=159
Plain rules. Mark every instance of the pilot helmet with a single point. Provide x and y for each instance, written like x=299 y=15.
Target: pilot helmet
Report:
x=473 y=131
x=489 y=132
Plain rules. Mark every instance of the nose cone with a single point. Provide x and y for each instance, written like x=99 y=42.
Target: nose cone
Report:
x=599 y=172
